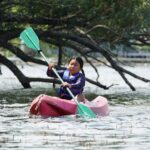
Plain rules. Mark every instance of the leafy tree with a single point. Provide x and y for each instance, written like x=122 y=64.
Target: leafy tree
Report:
x=81 y=25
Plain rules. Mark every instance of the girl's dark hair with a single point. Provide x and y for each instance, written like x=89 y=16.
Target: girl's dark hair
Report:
x=80 y=61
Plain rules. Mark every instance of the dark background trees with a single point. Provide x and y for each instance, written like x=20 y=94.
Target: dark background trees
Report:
x=81 y=25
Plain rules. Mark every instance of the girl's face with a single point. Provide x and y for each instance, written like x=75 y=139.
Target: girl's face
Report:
x=74 y=66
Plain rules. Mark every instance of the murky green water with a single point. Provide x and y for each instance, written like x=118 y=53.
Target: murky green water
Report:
x=127 y=126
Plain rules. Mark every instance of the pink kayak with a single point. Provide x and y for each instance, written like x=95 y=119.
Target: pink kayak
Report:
x=49 y=106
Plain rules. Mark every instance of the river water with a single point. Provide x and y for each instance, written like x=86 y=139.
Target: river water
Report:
x=126 y=127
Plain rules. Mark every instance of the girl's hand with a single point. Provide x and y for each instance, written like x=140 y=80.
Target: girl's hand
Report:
x=50 y=66
x=66 y=84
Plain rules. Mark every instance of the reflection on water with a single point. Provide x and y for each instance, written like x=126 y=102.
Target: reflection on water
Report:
x=127 y=126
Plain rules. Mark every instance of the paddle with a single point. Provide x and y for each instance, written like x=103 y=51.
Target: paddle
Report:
x=31 y=40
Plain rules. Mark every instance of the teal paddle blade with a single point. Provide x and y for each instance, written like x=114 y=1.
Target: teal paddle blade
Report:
x=85 y=111
x=30 y=39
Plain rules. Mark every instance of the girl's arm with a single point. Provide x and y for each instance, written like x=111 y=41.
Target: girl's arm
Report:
x=50 y=72
x=80 y=83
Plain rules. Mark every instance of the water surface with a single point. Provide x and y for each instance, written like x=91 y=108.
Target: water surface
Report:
x=126 y=127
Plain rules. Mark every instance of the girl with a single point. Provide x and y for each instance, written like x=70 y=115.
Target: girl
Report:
x=72 y=77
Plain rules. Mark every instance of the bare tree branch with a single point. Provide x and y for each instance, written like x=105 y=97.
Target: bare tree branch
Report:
x=95 y=47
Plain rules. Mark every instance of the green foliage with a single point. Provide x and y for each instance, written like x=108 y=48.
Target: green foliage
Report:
x=109 y=20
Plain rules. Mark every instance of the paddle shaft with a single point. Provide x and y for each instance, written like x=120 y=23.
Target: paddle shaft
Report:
x=55 y=71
